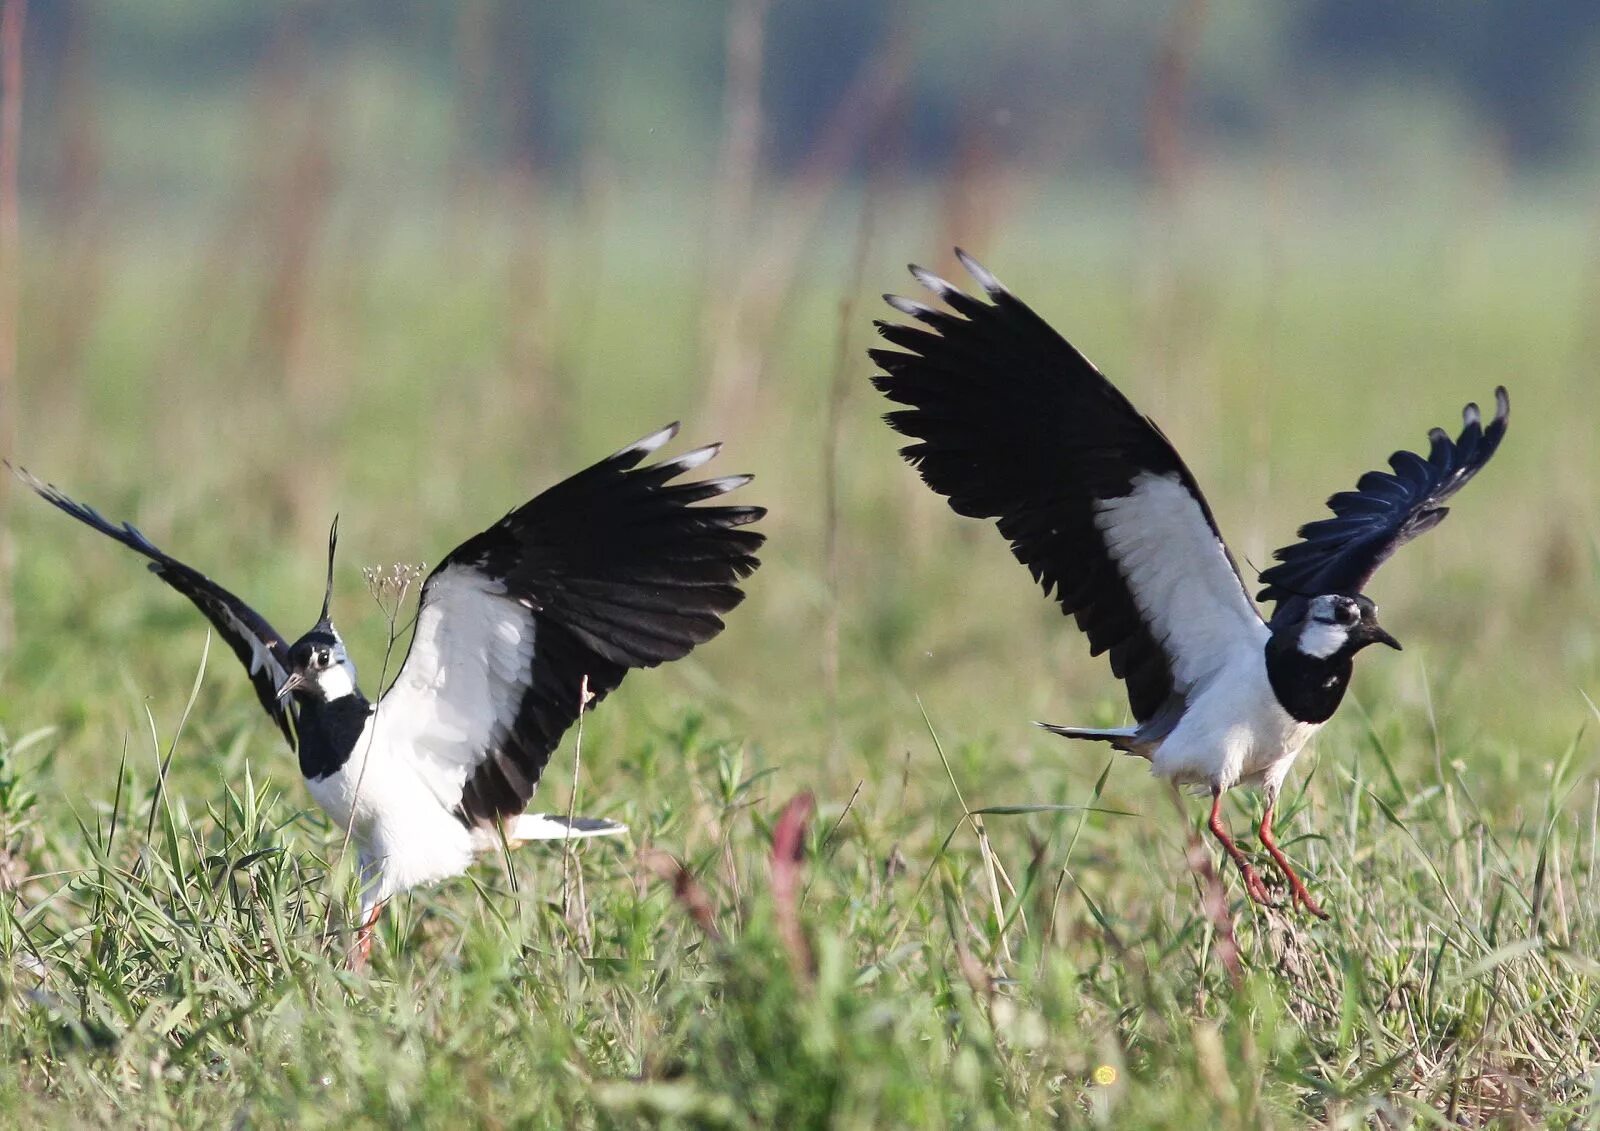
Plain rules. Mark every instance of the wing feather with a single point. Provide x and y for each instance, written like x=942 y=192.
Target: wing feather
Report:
x=610 y=570
x=259 y=647
x=1385 y=511
x=1011 y=423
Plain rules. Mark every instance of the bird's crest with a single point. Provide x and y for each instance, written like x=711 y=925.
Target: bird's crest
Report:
x=327 y=593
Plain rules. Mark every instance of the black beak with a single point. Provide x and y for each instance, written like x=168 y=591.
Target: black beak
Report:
x=296 y=679
x=1377 y=635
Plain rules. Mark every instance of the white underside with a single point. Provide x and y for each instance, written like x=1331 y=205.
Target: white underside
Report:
x=407 y=839
x=405 y=834
x=1232 y=730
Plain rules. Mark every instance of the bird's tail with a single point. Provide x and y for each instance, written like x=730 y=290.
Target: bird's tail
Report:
x=1125 y=739
x=553 y=826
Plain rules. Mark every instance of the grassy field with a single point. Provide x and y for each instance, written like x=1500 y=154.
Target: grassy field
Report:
x=174 y=955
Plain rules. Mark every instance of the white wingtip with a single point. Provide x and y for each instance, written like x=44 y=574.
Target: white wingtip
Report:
x=29 y=478
x=982 y=274
x=545 y=826
x=934 y=283
x=910 y=307
x=726 y=483
x=651 y=442
x=691 y=460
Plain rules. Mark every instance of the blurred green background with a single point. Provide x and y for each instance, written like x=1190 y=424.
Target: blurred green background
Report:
x=410 y=262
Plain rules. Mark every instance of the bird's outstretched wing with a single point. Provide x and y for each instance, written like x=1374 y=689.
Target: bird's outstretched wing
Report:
x=258 y=645
x=1385 y=511
x=1012 y=423
x=609 y=570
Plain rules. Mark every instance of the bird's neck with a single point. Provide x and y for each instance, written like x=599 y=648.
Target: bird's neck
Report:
x=1310 y=688
x=329 y=730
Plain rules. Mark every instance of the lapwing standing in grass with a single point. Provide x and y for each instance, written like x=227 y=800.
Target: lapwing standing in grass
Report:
x=609 y=570
x=1012 y=423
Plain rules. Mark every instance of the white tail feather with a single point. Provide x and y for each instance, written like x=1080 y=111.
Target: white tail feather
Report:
x=1123 y=738
x=544 y=826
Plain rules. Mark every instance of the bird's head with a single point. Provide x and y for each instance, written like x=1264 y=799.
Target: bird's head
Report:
x=1336 y=624
x=320 y=669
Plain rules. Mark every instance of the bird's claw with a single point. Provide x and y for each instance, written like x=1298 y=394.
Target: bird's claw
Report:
x=1300 y=897
x=1256 y=887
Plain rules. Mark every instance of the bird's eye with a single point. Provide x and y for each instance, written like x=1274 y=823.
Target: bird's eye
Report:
x=1347 y=614
x=320 y=659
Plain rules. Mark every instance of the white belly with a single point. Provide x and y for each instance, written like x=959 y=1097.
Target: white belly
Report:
x=1233 y=732
x=406 y=835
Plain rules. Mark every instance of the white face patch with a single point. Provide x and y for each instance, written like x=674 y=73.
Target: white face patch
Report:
x=336 y=681
x=1323 y=635
x=1320 y=640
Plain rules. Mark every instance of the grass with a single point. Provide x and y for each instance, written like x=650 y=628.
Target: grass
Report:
x=171 y=953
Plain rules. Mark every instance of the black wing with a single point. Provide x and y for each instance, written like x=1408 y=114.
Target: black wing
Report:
x=1384 y=512
x=610 y=570
x=1012 y=423
x=260 y=649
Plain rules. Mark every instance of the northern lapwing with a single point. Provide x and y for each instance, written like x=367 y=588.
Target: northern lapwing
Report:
x=1012 y=423
x=610 y=570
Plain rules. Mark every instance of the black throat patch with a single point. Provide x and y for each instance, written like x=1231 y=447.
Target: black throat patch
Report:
x=1310 y=689
x=329 y=733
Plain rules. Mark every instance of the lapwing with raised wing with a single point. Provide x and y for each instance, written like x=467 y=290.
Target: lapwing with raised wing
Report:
x=610 y=570
x=1011 y=423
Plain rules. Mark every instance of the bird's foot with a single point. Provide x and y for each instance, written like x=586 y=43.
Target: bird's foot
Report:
x=1252 y=879
x=1300 y=897
x=1256 y=887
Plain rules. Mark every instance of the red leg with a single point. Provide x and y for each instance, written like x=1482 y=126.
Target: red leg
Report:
x=1252 y=880
x=362 y=951
x=1297 y=890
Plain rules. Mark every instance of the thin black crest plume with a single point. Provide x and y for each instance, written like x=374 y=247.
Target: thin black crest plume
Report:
x=1285 y=588
x=327 y=593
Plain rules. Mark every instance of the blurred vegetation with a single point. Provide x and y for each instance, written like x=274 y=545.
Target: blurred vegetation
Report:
x=638 y=86
x=411 y=263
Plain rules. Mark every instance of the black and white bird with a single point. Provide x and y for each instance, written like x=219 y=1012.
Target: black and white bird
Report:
x=610 y=570
x=1012 y=423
